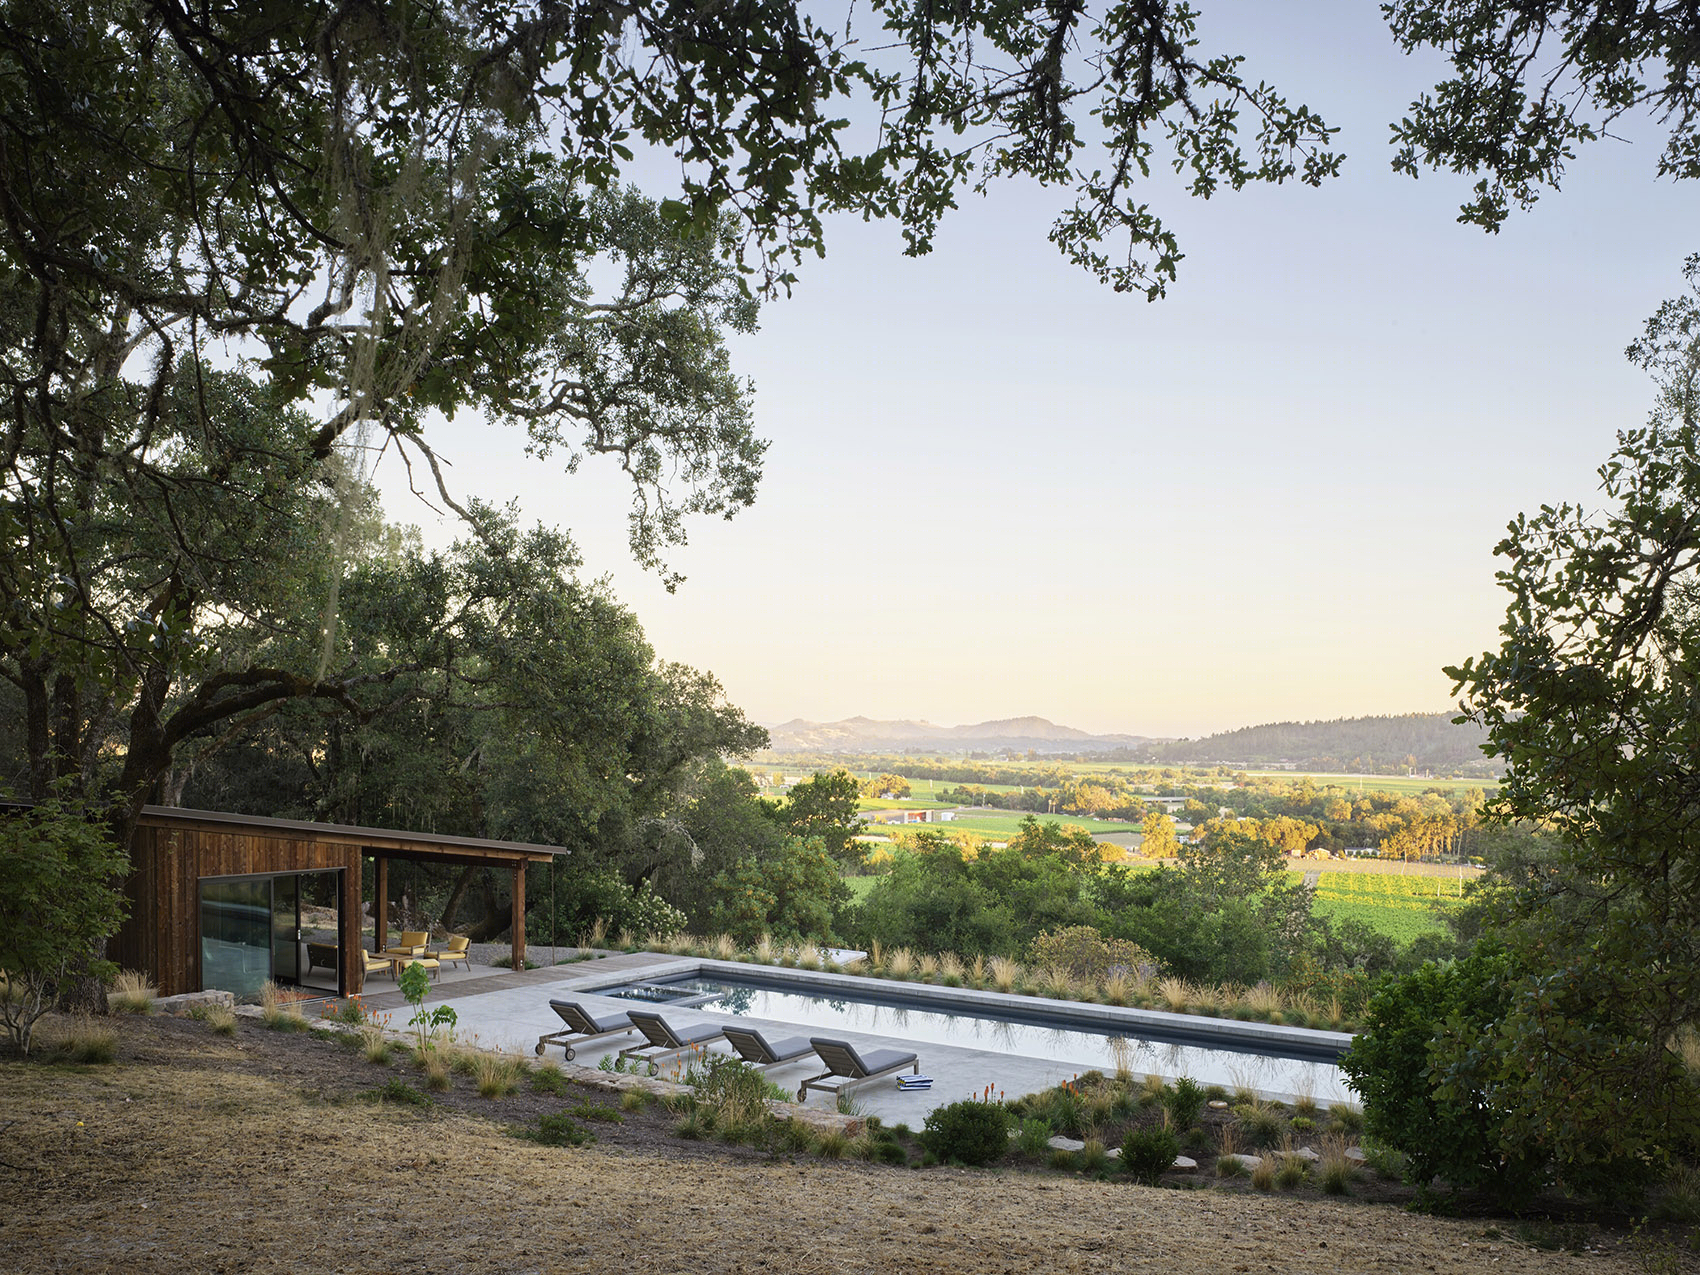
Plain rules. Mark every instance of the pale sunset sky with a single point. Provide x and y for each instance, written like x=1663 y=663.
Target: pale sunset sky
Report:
x=997 y=488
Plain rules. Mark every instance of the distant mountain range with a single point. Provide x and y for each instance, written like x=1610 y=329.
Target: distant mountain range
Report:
x=863 y=734
x=1390 y=744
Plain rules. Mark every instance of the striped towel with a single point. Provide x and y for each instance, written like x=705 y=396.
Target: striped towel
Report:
x=914 y=1082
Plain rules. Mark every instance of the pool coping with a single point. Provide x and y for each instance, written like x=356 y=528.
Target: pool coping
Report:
x=1306 y=1044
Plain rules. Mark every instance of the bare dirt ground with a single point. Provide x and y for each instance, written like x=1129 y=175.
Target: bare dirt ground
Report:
x=257 y=1154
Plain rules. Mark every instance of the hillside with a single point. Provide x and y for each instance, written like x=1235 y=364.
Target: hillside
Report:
x=1019 y=734
x=1420 y=741
x=269 y=1152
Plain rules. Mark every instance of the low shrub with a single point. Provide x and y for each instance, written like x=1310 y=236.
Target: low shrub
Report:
x=1184 y=1100
x=969 y=1131
x=398 y=1091
x=558 y=1129
x=1149 y=1152
x=547 y=1077
x=1033 y=1137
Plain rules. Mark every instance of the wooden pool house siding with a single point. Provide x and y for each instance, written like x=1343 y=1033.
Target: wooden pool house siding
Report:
x=175 y=849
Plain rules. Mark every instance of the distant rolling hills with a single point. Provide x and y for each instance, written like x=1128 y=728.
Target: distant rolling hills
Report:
x=1420 y=741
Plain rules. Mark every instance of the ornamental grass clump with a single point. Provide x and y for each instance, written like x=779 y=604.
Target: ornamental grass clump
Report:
x=280 y=1011
x=220 y=1019
x=132 y=993
x=1334 y=1170
x=900 y=963
x=1005 y=973
x=86 y=1041
x=496 y=1075
x=437 y=1077
x=1175 y=995
x=1293 y=1172
x=725 y=947
x=374 y=1045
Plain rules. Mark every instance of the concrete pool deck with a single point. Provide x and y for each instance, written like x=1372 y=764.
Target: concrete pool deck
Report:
x=509 y=1010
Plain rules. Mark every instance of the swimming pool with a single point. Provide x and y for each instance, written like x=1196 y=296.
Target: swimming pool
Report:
x=1180 y=1051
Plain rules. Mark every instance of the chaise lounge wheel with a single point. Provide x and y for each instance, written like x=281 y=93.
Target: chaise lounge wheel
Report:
x=571 y=1055
x=802 y=1095
x=540 y=1049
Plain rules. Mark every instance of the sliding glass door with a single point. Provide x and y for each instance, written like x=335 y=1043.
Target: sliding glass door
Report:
x=251 y=929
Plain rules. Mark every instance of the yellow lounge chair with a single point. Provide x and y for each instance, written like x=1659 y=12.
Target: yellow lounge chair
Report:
x=456 y=950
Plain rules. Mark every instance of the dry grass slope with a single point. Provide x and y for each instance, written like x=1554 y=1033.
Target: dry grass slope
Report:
x=151 y=1167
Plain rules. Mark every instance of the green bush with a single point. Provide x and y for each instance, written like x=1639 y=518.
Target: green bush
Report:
x=1424 y=1065
x=969 y=1131
x=59 y=899
x=1147 y=1153
x=1184 y=1100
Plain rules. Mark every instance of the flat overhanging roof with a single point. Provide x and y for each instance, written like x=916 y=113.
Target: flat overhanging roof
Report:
x=421 y=845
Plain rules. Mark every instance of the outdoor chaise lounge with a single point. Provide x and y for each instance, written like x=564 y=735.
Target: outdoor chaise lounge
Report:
x=583 y=1026
x=759 y=1051
x=662 y=1038
x=851 y=1067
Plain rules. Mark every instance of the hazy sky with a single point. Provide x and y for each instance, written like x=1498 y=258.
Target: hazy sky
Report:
x=996 y=488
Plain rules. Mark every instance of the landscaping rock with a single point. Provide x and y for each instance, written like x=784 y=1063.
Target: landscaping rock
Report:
x=1250 y=1162
x=1218 y=1104
x=183 y=1003
x=1060 y=1143
x=1356 y=1155
x=1184 y=1164
x=1306 y=1154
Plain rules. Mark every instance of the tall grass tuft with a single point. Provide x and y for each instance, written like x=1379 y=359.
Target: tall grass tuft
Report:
x=950 y=967
x=1058 y=982
x=928 y=966
x=87 y=1041
x=132 y=993
x=1118 y=989
x=876 y=957
x=1334 y=1170
x=497 y=1076
x=901 y=963
x=1263 y=1000
x=977 y=971
x=1005 y=973
x=764 y=951
x=809 y=958
x=1174 y=994
x=598 y=936
x=279 y=1011
x=725 y=947
x=436 y=1069
x=374 y=1045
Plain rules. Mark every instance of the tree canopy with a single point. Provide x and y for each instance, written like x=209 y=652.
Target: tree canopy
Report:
x=1533 y=81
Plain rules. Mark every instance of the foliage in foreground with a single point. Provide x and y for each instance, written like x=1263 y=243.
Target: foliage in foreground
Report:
x=59 y=901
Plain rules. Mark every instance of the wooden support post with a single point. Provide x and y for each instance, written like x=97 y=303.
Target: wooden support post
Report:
x=519 y=915
x=351 y=967
x=380 y=902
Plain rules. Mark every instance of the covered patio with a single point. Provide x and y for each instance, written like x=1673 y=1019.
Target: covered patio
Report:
x=220 y=899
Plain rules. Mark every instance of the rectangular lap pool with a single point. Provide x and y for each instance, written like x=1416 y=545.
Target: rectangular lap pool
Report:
x=1183 y=1053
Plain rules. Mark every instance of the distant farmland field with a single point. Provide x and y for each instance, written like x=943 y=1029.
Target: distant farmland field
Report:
x=1398 y=906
